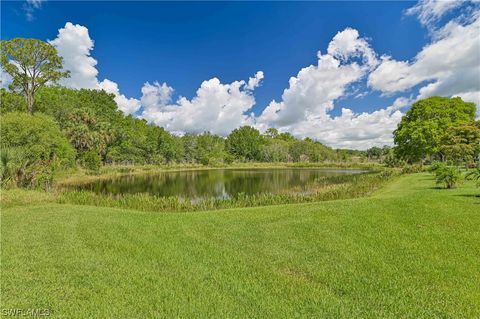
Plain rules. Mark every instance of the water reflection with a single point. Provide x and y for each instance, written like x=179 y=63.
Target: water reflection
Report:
x=219 y=183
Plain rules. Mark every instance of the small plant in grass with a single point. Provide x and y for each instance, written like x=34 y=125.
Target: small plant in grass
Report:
x=449 y=176
x=474 y=175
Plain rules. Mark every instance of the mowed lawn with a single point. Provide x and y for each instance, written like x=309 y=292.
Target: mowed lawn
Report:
x=410 y=251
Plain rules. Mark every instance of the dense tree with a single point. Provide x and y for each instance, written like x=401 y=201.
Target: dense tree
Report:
x=11 y=102
x=189 y=142
x=210 y=149
x=374 y=152
x=32 y=64
x=421 y=130
x=86 y=133
x=96 y=128
x=271 y=133
x=245 y=143
x=275 y=150
x=32 y=147
x=461 y=143
x=169 y=146
x=287 y=137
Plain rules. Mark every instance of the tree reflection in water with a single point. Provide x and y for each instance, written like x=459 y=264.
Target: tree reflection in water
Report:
x=220 y=183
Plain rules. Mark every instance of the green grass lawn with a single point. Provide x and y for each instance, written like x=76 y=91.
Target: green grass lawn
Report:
x=410 y=251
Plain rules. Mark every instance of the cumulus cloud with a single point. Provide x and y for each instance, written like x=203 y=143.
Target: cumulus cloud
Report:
x=74 y=44
x=126 y=105
x=311 y=95
x=353 y=130
x=216 y=107
x=348 y=44
x=254 y=82
x=448 y=66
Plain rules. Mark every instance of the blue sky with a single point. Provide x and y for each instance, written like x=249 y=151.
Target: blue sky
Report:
x=184 y=44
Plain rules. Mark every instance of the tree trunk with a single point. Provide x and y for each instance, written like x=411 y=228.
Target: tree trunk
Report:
x=30 y=103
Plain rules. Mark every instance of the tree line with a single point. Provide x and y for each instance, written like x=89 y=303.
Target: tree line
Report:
x=85 y=127
x=45 y=126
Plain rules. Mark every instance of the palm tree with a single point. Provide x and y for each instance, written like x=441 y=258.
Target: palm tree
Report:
x=474 y=175
x=447 y=175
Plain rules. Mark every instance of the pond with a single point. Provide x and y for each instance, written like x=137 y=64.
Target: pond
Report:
x=220 y=183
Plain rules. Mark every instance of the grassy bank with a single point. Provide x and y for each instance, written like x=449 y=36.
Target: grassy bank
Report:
x=409 y=251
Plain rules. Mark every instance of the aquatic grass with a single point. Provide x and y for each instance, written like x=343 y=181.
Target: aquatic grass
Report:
x=328 y=188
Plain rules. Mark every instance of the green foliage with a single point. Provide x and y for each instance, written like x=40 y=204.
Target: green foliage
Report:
x=86 y=133
x=309 y=151
x=32 y=64
x=32 y=148
x=409 y=169
x=421 y=130
x=91 y=121
x=275 y=150
x=474 y=175
x=11 y=102
x=91 y=160
x=380 y=154
x=245 y=143
x=461 y=143
x=210 y=149
x=449 y=176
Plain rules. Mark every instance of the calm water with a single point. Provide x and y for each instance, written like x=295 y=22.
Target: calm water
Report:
x=219 y=183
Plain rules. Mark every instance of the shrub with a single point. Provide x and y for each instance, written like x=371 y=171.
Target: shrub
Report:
x=91 y=160
x=32 y=148
x=474 y=175
x=408 y=169
x=447 y=175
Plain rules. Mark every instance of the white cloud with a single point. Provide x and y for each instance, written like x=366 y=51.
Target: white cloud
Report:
x=347 y=44
x=126 y=105
x=352 y=130
x=218 y=108
x=449 y=66
x=156 y=95
x=5 y=79
x=311 y=94
x=74 y=44
x=29 y=8
x=254 y=81
x=306 y=103
x=430 y=11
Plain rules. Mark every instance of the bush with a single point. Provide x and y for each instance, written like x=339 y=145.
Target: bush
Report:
x=447 y=175
x=32 y=148
x=91 y=160
x=474 y=175
x=409 y=169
